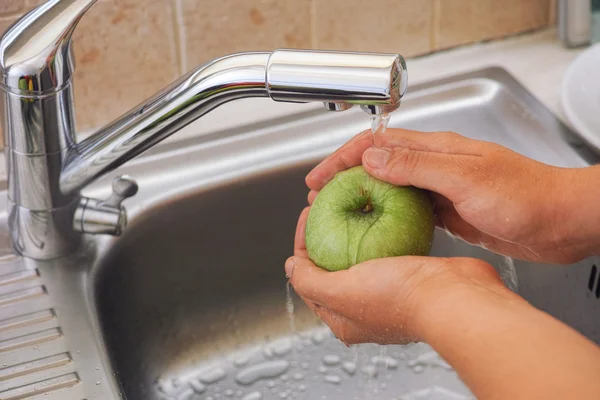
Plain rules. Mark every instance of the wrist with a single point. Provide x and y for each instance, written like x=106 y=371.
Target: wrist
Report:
x=459 y=296
x=576 y=215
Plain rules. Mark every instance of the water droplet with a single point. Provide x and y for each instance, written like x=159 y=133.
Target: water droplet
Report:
x=269 y=369
x=318 y=337
x=302 y=388
x=349 y=367
x=98 y=382
x=429 y=359
x=229 y=393
x=279 y=347
x=283 y=395
x=385 y=361
x=417 y=369
x=323 y=369
x=271 y=384
x=198 y=386
x=242 y=359
x=331 y=359
x=211 y=375
x=298 y=376
x=370 y=371
x=304 y=365
x=253 y=396
x=333 y=379
x=284 y=377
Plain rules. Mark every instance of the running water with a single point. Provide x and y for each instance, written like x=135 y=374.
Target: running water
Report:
x=379 y=125
x=289 y=305
x=508 y=273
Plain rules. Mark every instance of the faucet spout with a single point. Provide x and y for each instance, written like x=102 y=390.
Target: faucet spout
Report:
x=225 y=79
x=46 y=165
x=375 y=81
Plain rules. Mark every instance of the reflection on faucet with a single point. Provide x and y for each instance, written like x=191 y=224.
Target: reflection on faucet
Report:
x=46 y=166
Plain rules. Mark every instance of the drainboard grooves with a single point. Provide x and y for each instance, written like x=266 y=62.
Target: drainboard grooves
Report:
x=29 y=340
x=34 y=366
x=21 y=295
x=18 y=276
x=27 y=319
x=39 y=388
x=10 y=263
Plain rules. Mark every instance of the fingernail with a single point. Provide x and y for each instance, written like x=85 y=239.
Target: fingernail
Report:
x=289 y=267
x=377 y=158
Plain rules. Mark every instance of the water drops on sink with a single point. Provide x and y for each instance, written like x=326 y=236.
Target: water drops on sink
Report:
x=349 y=367
x=253 y=396
x=266 y=370
x=211 y=375
x=370 y=371
x=331 y=359
x=385 y=361
x=429 y=359
x=197 y=386
x=335 y=379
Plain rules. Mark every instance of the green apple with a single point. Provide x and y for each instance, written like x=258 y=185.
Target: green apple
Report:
x=356 y=218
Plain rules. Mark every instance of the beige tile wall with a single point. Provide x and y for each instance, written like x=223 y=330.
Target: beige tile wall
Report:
x=128 y=49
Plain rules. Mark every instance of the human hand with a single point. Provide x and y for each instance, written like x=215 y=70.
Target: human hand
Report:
x=484 y=193
x=387 y=300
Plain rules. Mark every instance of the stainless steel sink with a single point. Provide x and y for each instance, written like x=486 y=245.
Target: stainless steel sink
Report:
x=191 y=302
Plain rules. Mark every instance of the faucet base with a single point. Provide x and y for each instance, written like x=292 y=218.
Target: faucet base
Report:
x=45 y=234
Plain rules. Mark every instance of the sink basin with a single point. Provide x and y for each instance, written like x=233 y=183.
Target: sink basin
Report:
x=191 y=302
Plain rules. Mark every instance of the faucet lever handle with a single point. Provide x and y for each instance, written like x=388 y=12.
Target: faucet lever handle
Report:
x=123 y=187
x=105 y=217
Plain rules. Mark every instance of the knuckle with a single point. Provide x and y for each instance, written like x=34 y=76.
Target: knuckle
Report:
x=448 y=136
x=406 y=160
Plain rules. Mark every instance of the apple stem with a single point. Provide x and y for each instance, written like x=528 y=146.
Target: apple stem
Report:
x=367 y=208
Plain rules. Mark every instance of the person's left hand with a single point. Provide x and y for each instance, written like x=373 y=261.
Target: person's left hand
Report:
x=387 y=300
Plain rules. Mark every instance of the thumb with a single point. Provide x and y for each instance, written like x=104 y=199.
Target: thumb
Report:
x=446 y=174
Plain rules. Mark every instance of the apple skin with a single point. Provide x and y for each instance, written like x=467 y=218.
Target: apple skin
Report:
x=357 y=217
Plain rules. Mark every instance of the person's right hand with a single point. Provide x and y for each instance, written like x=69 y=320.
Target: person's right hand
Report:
x=484 y=193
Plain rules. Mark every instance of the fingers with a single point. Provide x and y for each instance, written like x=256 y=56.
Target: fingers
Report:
x=448 y=175
x=299 y=238
x=349 y=155
x=440 y=142
x=343 y=328
x=314 y=283
x=311 y=196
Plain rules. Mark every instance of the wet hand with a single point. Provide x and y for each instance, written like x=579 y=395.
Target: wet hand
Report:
x=388 y=300
x=484 y=193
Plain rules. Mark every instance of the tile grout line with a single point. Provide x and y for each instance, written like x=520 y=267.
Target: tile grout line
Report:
x=180 y=39
x=435 y=22
x=313 y=24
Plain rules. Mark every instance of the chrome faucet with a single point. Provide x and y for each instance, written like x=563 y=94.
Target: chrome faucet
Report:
x=46 y=166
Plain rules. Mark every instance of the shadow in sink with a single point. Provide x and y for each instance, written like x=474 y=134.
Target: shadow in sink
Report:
x=196 y=285
x=192 y=299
